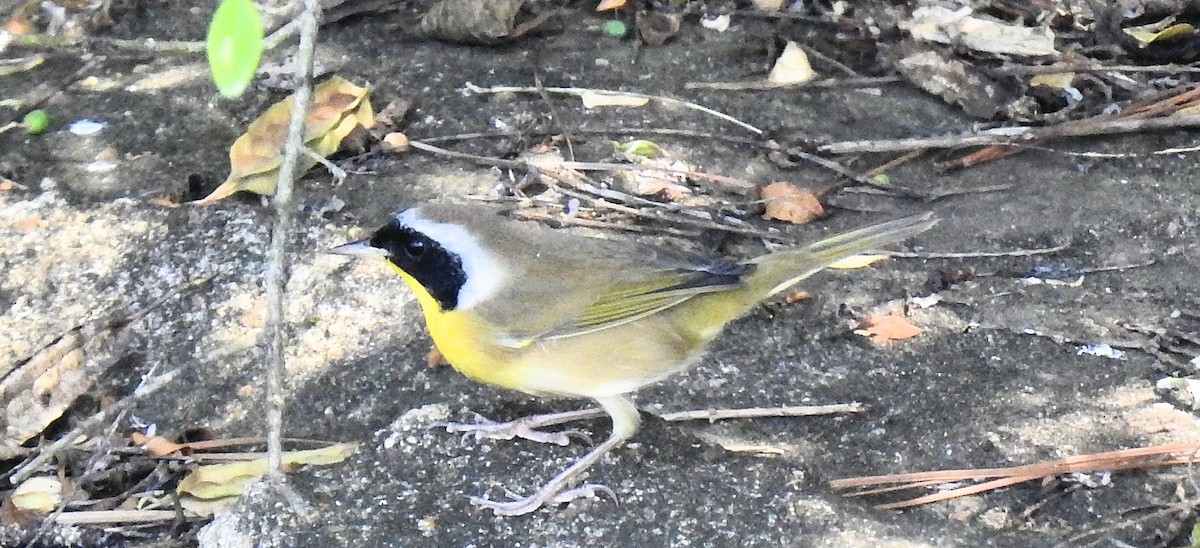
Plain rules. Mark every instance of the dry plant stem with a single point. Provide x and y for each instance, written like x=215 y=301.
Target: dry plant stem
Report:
x=472 y=88
x=147 y=387
x=142 y=45
x=277 y=267
x=982 y=254
x=114 y=517
x=849 y=174
x=762 y=85
x=1125 y=459
x=713 y=415
x=1016 y=135
x=1093 y=67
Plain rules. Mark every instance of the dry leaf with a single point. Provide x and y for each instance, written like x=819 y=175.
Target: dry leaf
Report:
x=41 y=494
x=959 y=27
x=1056 y=80
x=231 y=478
x=592 y=99
x=607 y=5
x=856 y=261
x=787 y=202
x=157 y=446
x=792 y=66
x=886 y=328
x=338 y=108
x=1162 y=31
x=29 y=224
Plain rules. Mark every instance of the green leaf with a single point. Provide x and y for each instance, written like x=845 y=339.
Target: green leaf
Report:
x=235 y=45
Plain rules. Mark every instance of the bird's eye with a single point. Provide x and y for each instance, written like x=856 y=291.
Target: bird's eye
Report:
x=414 y=248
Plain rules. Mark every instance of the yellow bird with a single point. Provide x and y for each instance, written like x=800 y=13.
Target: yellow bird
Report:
x=555 y=314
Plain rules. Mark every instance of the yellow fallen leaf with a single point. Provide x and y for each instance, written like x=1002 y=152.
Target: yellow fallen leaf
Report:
x=792 y=66
x=1161 y=31
x=338 y=108
x=41 y=494
x=231 y=478
x=592 y=99
x=1057 y=80
x=886 y=328
x=857 y=261
x=788 y=202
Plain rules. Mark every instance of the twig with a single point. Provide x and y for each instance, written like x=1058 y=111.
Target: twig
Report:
x=115 y=517
x=149 y=385
x=713 y=415
x=281 y=233
x=142 y=44
x=1015 y=135
x=472 y=88
x=982 y=254
x=1092 y=67
x=761 y=85
x=860 y=179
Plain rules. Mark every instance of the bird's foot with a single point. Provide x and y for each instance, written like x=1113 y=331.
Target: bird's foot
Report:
x=518 y=505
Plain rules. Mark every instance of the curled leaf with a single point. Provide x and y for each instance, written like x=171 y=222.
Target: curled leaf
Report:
x=338 y=108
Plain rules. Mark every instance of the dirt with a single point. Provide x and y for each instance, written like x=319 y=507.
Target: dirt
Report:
x=996 y=380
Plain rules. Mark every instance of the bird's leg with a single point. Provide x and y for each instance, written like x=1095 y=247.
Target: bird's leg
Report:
x=529 y=427
x=625 y=419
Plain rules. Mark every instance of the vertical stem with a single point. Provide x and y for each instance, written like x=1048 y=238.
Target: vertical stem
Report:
x=281 y=231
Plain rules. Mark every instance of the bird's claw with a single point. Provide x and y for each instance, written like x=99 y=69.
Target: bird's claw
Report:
x=520 y=428
x=523 y=505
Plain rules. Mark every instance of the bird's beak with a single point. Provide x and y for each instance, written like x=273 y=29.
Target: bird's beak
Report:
x=359 y=249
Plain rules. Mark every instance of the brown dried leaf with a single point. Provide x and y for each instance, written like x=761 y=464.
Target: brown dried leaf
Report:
x=337 y=109
x=886 y=328
x=157 y=446
x=788 y=202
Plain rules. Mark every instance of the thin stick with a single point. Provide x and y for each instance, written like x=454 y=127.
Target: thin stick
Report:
x=149 y=385
x=713 y=415
x=761 y=85
x=114 y=517
x=472 y=88
x=982 y=254
x=1016 y=135
x=1093 y=67
x=281 y=233
x=142 y=44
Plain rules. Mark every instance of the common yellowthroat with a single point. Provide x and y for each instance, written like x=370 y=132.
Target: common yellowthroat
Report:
x=551 y=313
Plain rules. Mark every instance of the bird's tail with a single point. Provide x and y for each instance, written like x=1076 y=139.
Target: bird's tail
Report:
x=775 y=272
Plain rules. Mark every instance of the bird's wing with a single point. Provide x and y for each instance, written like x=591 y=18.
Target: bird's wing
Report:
x=605 y=296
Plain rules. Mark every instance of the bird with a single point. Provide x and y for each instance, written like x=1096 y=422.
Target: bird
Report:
x=556 y=314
